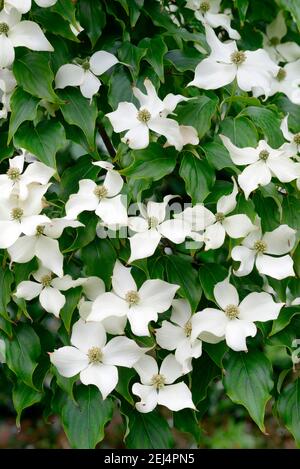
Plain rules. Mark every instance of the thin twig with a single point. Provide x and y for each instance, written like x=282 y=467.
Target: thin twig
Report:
x=106 y=140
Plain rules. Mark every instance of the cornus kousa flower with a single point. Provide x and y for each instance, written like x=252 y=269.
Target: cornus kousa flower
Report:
x=208 y=12
x=294 y=140
x=176 y=335
x=93 y=358
x=16 y=180
x=139 y=306
x=43 y=244
x=102 y=198
x=287 y=81
x=225 y=63
x=48 y=289
x=152 y=115
x=152 y=226
x=18 y=216
x=259 y=249
x=84 y=74
x=23 y=6
x=17 y=33
x=275 y=31
x=263 y=163
x=234 y=321
x=7 y=86
x=157 y=385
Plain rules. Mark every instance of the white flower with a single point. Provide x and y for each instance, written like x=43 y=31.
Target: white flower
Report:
x=263 y=163
x=21 y=216
x=17 y=33
x=2 y=351
x=294 y=140
x=152 y=226
x=76 y=30
x=48 y=289
x=234 y=321
x=139 y=306
x=287 y=81
x=152 y=115
x=208 y=12
x=16 y=182
x=176 y=335
x=84 y=75
x=93 y=358
x=225 y=63
x=23 y=6
x=7 y=86
x=256 y=249
x=157 y=385
x=188 y=135
x=103 y=198
x=275 y=31
x=43 y=244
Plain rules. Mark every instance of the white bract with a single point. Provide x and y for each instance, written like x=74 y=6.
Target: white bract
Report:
x=157 y=385
x=84 y=75
x=48 y=289
x=294 y=142
x=263 y=163
x=152 y=226
x=7 y=86
x=2 y=351
x=287 y=81
x=17 y=33
x=43 y=244
x=259 y=249
x=226 y=63
x=21 y=216
x=139 y=306
x=275 y=31
x=208 y=12
x=23 y=6
x=176 y=335
x=102 y=198
x=16 y=181
x=234 y=321
x=93 y=358
x=152 y=115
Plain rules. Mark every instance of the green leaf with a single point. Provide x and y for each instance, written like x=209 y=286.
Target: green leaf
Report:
x=218 y=156
x=23 y=108
x=284 y=318
x=6 y=281
x=183 y=60
x=248 y=381
x=66 y=9
x=23 y=397
x=210 y=275
x=72 y=299
x=80 y=169
x=186 y=421
x=197 y=113
x=291 y=212
x=32 y=71
x=131 y=55
x=85 y=234
x=120 y=87
x=288 y=407
x=156 y=49
x=153 y=162
x=242 y=6
x=240 y=130
x=6 y=151
x=22 y=353
x=124 y=384
x=92 y=18
x=84 y=422
x=268 y=121
x=204 y=371
x=294 y=8
x=181 y=272
x=79 y=111
x=55 y=23
x=43 y=141
x=198 y=176
x=99 y=258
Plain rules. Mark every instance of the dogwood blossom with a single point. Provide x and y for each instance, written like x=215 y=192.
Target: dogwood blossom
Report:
x=102 y=198
x=263 y=163
x=43 y=244
x=140 y=306
x=294 y=140
x=94 y=358
x=85 y=74
x=208 y=12
x=152 y=115
x=259 y=249
x=275 y=31
x=157 y=385
x=225 y=63
x=287 y=81
x=234 y=321
x=23 y=6
x=7 y=86
x=48 y=289
x=17 y=33
x=152 y=226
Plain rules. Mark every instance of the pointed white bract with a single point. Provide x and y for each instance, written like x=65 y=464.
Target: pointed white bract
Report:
x=234 y=321
x=275 y=32
x=95 y=359
x=157 y=385
x=287 y=81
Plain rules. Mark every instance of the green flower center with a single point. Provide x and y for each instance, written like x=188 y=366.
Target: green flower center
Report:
x=153 y=222
x=297 y=139
x=132 y=297
x=274 y=41
x=86 y=65
x=100 y=192
x=158 y=381
x=17 y=213
x=144 y=116
x=204 y=7
x=264 y=155
x=13 y=174
x=188 y=328
x=40 y=230
x=232 y=311
x=238 y=57
x=220 y=216
x=46 y=280
x=281 y=74
x=95 y=355
x=260 y=246
x=4 y=28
